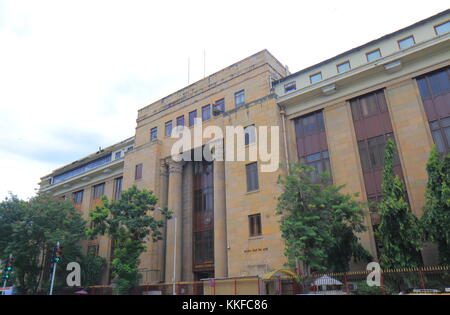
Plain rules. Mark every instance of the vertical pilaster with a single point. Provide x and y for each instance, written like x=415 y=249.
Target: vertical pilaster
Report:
x=163 y=181
x=174 y=225
x=220 y=223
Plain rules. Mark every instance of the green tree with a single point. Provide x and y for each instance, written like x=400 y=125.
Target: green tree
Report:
x=436 y=217
x=399 y=232
x=92 y=268
x=319 y=222
x=29 y=230
x=129 y=223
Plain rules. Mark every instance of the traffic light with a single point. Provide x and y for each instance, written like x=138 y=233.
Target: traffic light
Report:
x=8 y=268
x=57 y=254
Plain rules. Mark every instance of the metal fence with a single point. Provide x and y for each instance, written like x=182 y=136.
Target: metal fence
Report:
x=400 y=281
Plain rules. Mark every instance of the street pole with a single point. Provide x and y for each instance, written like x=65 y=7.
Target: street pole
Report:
x=174 y=255
x=53 y=273
x=6 y=279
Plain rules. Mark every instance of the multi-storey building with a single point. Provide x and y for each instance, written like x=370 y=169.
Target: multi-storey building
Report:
x=336 y=116
x=340 y=112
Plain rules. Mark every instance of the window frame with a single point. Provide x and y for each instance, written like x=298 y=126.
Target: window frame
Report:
x=287 y=87
x=95 y=191
x=404 y=39
x=314 y=75
x=221 y=104
x=75 y=199
x=441 y=24
x=168 y=128
x=192 y=123
x=154 y=132
x=344 y=63
x=138 y=170
x=247 y=135
x=239 y=94
x=252 y=176
x=255 y=225
x=206 y=109
x=373 y=51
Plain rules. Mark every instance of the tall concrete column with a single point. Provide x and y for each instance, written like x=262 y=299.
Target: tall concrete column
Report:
x=220 y=223
x=163 y=182
x=174 y=226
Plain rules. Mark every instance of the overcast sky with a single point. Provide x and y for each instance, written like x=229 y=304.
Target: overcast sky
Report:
x=74 y=73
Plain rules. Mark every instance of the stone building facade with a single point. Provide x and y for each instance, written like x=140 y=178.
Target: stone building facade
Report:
x=336 y=115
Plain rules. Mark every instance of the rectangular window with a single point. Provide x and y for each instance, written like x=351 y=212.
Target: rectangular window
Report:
x=319 y=161
x=118 y=155
x=291 y=86
x=443 y=28
x=309 y=124
x=406 y=42
x=168 y=128
x=369 y=105
x=254 y=222
x=252 y=176
x=118 y=188
x=440 y=130
x=343 y=67
x=219 y=107
x=206 y=112
x=192 y=116
x=239 y=98
x=314 y=78
x=78 y=197
x=373 y=55
x=250 y=134
x=138 y=172
x=98 y=191
x=154 y=134
x=180 y=121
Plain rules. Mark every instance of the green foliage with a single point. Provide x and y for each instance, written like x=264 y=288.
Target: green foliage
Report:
x=399 y=231
x=92 y=267
x=436 y=218
x=28 y=229
x=129 y=223
x=362 y=288
x=319 y=222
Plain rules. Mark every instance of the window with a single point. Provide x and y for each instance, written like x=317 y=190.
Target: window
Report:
x=154 y=134
x=252 y=176
x=440 y=130
x=406 y=42
x=291 y=86
x=371 y=152
x=168 y=128
x=180 y=121
x=219 y=107
x=368 y=105
x=434 y=84
x=373 y=55
x=130 y=149
x=343 y=67
x=192 y=116
x=118 y=188
x=239 y=98
x=78 y=197
x=254 y=223
x=98 y=191
x=314 y=78
x=250 y=134
x=138 y=172
x=319 y=161
x=309 y=124
x=206 y=112
x=443 y=28
x=118 y=155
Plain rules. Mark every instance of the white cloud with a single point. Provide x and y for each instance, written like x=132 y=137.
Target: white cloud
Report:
x=74 y=73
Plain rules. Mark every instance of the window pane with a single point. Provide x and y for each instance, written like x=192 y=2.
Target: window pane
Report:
x=423 y=87
x=239 y=98
x=445 y=122
x=447 y=136
x=192 y=116
x=374 y=55
x=443 y=28
x=407 y=42
x=168 y=128
x=343 y=67
x=292 y=86
x=206 y=112
x=298 y=127
x=250 y=134
x=219 y=107
x=438 y=140
x=180 y=121
x=313 y=157
x=309 y=124
x=315 y=78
